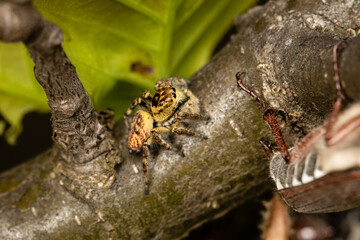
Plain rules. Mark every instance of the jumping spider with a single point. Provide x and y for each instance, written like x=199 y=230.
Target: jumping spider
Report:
x=161 y=115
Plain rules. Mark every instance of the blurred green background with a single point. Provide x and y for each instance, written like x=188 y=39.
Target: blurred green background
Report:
x=119 y=48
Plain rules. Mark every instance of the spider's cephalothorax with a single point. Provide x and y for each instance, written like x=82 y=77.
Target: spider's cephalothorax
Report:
x=161 y=115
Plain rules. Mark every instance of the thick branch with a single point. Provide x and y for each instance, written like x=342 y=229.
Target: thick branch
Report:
x=285 y=49
x=83 y=141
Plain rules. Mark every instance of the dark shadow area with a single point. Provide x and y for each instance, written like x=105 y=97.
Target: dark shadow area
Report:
x=225 y=39
x=243 y=223
x=34 y=139
x=240 y=223
x=120 y=97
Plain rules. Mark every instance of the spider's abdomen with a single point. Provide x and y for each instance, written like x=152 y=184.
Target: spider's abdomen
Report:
x=140 y=131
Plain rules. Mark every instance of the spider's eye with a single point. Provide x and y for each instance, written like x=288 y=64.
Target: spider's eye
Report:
x=161 y=103
x=174 y=95
x=173 y=89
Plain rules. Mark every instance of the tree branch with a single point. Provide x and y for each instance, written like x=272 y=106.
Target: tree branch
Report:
x=285 y=49
x=82 y=140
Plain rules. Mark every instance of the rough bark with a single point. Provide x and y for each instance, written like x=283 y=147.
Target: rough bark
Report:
x=285 y=49
x=81 y=138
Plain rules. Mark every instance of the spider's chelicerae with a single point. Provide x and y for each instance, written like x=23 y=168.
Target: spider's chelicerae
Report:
x=161 y=115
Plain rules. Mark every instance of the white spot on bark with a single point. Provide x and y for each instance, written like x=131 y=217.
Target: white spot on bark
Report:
x=317 y=22
x=33 y=210
x=101 y=216
x=288 y=42
x=351 y=31
x=235 y=127
x=135 y=168
x=77 y=220
x=215 y=205
x=262 y=67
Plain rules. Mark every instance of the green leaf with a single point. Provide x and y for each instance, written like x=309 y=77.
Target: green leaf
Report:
x=132 y=43
x=122 y=47
x=20 y=93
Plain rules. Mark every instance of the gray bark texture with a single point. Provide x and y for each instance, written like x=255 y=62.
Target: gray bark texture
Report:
x=79 y=190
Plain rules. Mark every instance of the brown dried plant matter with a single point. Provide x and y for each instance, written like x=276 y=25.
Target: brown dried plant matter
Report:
x=276 y=220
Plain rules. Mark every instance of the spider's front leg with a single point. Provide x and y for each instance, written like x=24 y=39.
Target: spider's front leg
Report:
x=143 y=101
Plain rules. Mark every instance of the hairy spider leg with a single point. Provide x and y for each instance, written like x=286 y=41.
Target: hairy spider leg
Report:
x=186 y=115
x=269 y=117
x=156 y=134
x=177 y=129
x=144 y=101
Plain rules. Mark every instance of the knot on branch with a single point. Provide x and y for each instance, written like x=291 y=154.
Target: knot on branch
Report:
x=83 y=178
x=46 y=39
x=88 y=152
